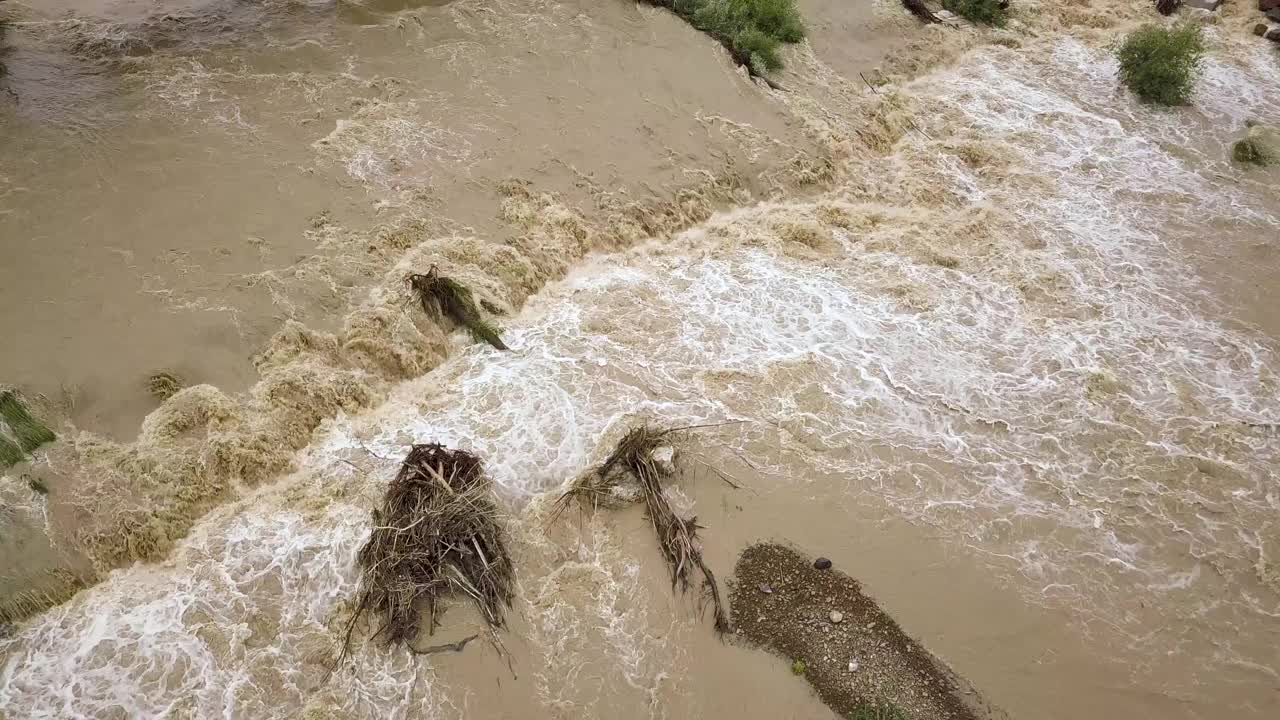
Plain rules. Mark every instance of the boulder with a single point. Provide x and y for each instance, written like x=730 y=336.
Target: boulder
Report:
x=1260 y=29
x=1273 y=34
x=1274 y=14
x=1265 y=5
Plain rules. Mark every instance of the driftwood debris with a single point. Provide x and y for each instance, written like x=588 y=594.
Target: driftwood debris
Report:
x=437 y=535
x=633 y=461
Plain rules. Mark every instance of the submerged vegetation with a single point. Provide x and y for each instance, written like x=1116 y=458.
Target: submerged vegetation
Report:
x=10 y=453
x=751 y=30
x=20 y=433
x=443 y=297
x=983 y=12
x=1251 y=152
x=1160 y=65
x=163 y=385
x=437 y=535
x=635 y=461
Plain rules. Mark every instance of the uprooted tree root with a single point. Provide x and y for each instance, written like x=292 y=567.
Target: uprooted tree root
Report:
x=443 y=297
x=436 y=535
x=633 y=461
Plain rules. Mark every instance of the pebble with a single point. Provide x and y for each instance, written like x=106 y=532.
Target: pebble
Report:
x=822 y=564
x=764 y=588
x=853 y=666
x=836 y=616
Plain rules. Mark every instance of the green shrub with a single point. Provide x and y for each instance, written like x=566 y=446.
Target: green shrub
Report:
x=985 y=12
x=799 y=667
x=752 y=30
x=1160 y=65
x=1251 y=152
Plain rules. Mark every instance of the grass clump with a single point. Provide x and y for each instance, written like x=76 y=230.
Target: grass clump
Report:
x=436 y=535
x=164 y=385
x=1160 y=65
x=799 y=667
x=878 y=711
x=751 y=30
x=443 y=297
x=983 y=12
x=1251 y=152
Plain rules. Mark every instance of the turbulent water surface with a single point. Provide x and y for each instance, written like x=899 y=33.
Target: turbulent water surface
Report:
x=997 y=338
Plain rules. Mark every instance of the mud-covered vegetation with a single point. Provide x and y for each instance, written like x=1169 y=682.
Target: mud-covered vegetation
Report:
x=443 y=297
x=164 y=385
x=436 y=536
x=983 y=12
x=752 y=31
x=1160 y=65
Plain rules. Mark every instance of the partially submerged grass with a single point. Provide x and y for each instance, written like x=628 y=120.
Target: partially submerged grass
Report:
x=1160 y=65
x=443 y=297
x=751 y=30
x=1251 y=152
x=799 y=667
x=49 y=588
x=878 y=711
x=633 y=461
x=10 y=453
x=164 y=385
x=436 y=535
x=29 y=433
x=983 y=12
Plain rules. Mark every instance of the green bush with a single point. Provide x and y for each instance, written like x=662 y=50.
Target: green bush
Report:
x=752 y=30
x=986 y=12
x=1160 y=65
x=1251 y=152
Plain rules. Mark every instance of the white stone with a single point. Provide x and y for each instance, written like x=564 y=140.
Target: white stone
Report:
x=665 y=458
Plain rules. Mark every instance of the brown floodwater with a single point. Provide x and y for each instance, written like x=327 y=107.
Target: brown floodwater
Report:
x=994 y=337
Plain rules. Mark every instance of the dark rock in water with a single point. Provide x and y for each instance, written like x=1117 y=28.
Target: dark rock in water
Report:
x=1260 y=29
x=1203 y=4
x=1265 y=5
x=1274 y=14
x=822 y=564
x=1167 y=7
x=1273 y=34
